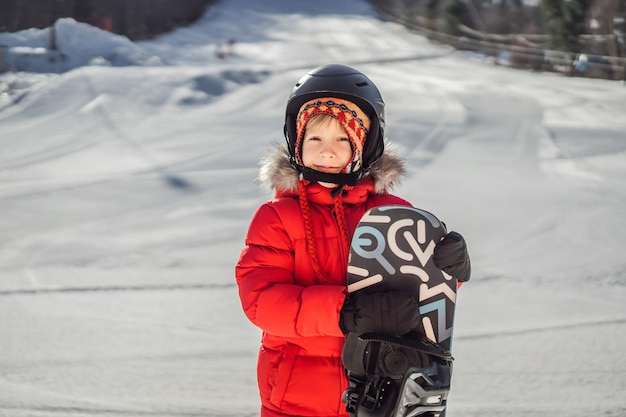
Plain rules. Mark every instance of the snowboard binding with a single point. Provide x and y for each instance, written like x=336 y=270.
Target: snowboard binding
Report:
x=394 y=376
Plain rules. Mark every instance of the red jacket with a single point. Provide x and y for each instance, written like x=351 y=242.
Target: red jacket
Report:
x=299 y=369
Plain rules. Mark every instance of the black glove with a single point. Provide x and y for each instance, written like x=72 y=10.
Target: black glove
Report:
x=390 y=312
x=451 y=257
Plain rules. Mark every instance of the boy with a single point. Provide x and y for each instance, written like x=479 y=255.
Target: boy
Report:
x=292 y=272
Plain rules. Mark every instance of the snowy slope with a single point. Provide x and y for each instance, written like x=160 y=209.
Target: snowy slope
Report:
x=126 y=191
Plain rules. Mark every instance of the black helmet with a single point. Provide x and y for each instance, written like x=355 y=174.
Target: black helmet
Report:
x=341 y=81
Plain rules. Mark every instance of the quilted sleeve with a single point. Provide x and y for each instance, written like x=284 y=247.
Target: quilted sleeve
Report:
x=268 y=293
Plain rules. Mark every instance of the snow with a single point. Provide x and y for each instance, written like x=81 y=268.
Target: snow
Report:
x=127 y=184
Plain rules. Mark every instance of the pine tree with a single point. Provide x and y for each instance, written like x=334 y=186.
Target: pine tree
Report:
x=564 y=21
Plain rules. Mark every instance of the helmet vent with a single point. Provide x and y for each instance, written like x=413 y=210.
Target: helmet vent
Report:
x=361 y=84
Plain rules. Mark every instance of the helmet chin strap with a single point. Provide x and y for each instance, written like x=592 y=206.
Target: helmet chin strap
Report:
x=341 y=179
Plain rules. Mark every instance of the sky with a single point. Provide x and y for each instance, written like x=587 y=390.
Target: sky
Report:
x=128 y=178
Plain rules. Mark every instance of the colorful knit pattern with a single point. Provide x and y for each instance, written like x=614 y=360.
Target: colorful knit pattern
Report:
x=354 y=121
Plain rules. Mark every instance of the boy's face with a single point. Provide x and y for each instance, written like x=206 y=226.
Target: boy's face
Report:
x=326 y=146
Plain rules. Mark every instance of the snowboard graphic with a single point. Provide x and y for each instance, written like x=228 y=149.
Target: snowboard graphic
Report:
x=392 y=248
x=407 y=376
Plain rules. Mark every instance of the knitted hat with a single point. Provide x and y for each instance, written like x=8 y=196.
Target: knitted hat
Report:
x=354 y=121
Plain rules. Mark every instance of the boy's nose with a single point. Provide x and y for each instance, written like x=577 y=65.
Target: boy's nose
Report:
x=328 y=149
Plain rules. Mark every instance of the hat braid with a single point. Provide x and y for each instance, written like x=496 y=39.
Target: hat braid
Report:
x=310 y=238
x=341 y=221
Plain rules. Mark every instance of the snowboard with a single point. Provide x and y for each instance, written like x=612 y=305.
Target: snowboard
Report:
x=407 y=375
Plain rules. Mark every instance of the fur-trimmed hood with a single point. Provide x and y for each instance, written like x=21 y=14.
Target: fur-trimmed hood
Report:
x=278 y=174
